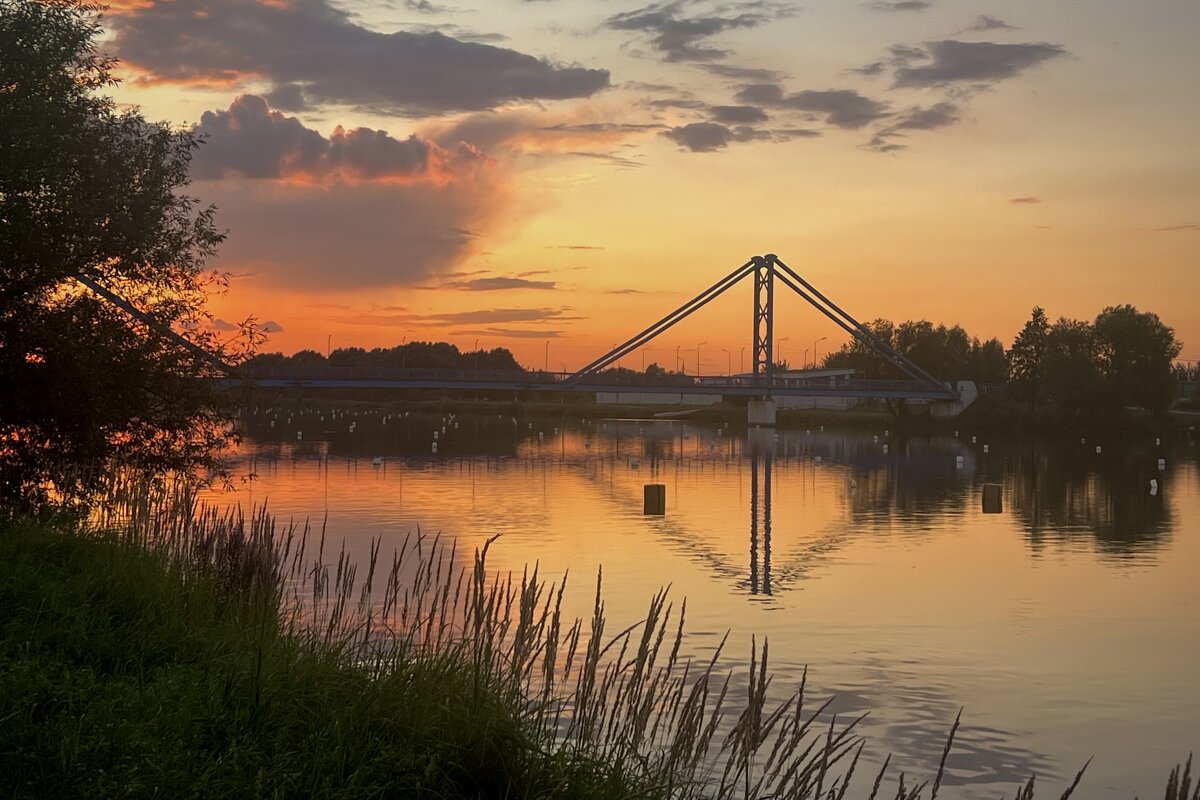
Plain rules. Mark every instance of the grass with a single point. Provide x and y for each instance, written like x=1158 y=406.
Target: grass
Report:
x=165 y=650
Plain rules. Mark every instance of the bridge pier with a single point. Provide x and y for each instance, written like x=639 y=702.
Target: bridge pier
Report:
x=760 y=412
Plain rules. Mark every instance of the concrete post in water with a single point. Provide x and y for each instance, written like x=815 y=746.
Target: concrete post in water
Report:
x=993 y=494
x=655 y=500
x=761 y=412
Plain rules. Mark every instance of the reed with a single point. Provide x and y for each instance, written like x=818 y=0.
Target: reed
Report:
x=278 y=666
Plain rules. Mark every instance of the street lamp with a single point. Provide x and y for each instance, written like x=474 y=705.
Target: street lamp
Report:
x=546 y=365
x=477 y=355
x=328 y=339
x=823 y=338
x=742 y=361
x=779 y=348
x=698 y=346
x=677 y=359
x=805 y=358
x=728 y=362
x=644 y=349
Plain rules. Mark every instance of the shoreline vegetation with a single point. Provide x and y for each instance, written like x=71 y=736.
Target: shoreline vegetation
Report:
x=161 y=649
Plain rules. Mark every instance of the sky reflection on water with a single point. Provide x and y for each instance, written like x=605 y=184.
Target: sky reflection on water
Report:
x=1066 y=625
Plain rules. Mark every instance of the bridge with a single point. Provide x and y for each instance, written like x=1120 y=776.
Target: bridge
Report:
x=761 y=385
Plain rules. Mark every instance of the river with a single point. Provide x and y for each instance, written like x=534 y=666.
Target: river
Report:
x=1067 y=625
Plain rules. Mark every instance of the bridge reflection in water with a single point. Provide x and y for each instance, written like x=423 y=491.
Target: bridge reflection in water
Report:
x=760 y=511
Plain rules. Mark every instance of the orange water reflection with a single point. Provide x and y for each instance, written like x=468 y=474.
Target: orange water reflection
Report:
x=1067 y=625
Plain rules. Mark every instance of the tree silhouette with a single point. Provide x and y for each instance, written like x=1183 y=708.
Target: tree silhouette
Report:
x=89 y=192
x=1027 y=359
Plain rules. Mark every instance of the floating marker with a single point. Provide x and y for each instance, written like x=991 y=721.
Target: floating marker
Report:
x=885 y=449
x=434 y=447
x=377 y=462
x=885 y=433
x=654 y=500
x=435 y=435
x=959 y=462
x=1097 y=449
x=875 y=439
x=540 y=435
x=816 y=459
x=956 y=434
x=1082 y=440
x=299 y=435
x=974 y=439
x=993 y=502
x=1157 y=441
x=808 y=431
x=985 y=448
x=1153 y=487
x=1162 y=464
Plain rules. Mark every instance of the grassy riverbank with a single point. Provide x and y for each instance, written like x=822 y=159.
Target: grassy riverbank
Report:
x=168 y=660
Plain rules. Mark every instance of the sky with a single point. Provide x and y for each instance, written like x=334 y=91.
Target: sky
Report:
x=552 y=176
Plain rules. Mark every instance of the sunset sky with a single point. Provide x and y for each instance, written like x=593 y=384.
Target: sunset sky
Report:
x=514 y=173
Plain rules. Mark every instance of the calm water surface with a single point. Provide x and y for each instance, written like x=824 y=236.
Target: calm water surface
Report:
x=1067 y=626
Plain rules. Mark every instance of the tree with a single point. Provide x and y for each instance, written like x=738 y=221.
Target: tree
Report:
x=90 y=192
x=1070 y=376
x=1134 y=352
x=1027 y=359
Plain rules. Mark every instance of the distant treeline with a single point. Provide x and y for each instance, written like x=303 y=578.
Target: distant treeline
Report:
x=411 y=355
x=1123 y=358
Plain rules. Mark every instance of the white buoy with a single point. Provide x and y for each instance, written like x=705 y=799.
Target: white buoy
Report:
x=885 y=449
x=959 y=462
x=974 y=439
x=435 y=447
x=875 y=439
x=1098 y=449
x=1082 y=440
x=376 y=462
x=435 y=435
x=1157 y=441
x=885 y=433
x=1162 y=464
x=985 y=448
x=808 y=431
x=540 y=435
x=1153 y=487
x=956 y=434
x=299 y=435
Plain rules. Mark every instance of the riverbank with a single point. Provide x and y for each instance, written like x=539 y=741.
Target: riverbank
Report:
x=125 y=674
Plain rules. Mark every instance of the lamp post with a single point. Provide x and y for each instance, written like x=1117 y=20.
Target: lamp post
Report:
x=477 y=355
x=677 y=360
x=644 y=349
x=742 y=361
x=728 y=362
x=698 y=346
x=779 y=349
x=818 y=341
x=328 y=340
x=546 y=364
x=805 y=358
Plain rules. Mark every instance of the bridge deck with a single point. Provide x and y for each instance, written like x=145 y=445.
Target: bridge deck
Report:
x=540 y=381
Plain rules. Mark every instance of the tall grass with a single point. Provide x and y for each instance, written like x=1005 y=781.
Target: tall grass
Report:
x=229 y=656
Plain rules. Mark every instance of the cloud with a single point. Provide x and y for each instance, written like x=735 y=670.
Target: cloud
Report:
x=939 y=115
x=250 y=140
x=979 y=62
x=844 y=108
x=899 y=5
x=574 y=247
x=500 y=283
x=500 y=315
x=357 y=209
x=1187 y=226
x=702 y=137
x=1025 y=200
x=743 y=73
x=426 y=7
x=738 y=114
x=314 y=46
x=985 y=23
x=518 y=333
x=221 y=325
x=870 y=70
x=271 y=326
x=681 y=38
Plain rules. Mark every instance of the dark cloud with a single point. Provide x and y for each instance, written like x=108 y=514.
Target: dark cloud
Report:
x=499 y=284
x=1025 y=200
x=271 y=326
x=870 y=70
x=844 y=108
x=287 y=97
x=611 y=159
x=706 y=137
x=939 y=115
x=977 y=62
x=625 y=291
x=311 y=44
x=1187 y=226
x=501 y=315
x=222 y=325
x=738 y=114
x=985 y=23
x=426 y=7
x=899 y=5
x=677 y=102
x=458 y=32
x=252 y=141
x=518 y=333
x=742 y=73
x=681 y=38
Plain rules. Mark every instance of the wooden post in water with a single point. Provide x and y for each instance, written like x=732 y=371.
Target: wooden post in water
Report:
x=655 y=504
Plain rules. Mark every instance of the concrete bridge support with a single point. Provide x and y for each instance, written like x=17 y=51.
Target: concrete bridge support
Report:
x=760 y=412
